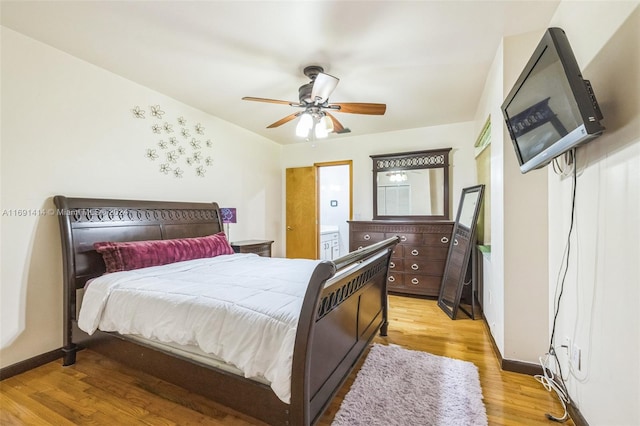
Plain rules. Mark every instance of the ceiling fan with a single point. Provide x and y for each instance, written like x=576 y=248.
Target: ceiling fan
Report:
x=316 y=109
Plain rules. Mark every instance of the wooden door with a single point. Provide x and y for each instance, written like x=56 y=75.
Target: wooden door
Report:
x=302 y=213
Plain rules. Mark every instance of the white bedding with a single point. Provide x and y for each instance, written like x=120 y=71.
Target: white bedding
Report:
x=242 y=308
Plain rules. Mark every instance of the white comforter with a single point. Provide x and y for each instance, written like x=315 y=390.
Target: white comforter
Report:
x=242 y=308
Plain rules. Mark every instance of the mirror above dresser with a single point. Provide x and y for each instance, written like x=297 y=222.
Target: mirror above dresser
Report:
x=410 y=200
x=411 y=185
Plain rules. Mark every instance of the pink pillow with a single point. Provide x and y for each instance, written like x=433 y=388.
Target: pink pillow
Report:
x=125 y=256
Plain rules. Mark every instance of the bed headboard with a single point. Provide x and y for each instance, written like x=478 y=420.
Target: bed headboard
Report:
x=84 y=221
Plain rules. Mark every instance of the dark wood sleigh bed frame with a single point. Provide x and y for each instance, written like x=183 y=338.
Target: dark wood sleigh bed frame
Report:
x=344 y=307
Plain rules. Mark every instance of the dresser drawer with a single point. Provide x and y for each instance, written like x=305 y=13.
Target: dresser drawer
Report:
x=426 y=252
x=422 y=266
x=439 y=239
x=367 y=238
x=406 y=238
x=396 y=265
x=395 y=280
x=422 y=284
x=398 y=252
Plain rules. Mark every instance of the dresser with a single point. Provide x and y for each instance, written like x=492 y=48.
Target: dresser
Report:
x=259 y=247
x=418 y=262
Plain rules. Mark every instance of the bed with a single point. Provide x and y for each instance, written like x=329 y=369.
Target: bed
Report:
x=343 y=306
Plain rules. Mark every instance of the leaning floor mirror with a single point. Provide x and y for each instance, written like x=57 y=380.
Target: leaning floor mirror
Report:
x=456 y=274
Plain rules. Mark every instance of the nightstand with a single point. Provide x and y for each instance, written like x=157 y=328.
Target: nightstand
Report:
x=259 y=247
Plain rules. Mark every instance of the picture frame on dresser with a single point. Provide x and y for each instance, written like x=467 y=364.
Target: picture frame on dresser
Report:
x=457 y=272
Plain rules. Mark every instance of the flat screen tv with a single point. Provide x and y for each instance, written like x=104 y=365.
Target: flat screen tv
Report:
x=551 y=108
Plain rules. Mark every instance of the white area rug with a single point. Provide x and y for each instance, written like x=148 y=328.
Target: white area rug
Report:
x=397 y=386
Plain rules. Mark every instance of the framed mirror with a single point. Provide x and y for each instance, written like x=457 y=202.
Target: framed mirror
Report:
x=457 y=270
x=411 y=185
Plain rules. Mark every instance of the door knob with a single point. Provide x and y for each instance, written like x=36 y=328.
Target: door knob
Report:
x=289 y=228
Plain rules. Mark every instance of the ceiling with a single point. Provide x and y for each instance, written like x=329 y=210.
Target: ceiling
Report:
x=427 y=60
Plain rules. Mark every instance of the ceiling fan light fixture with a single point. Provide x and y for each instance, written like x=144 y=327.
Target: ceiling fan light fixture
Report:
x=321 y=130
x=328 y=123
x=304 y=125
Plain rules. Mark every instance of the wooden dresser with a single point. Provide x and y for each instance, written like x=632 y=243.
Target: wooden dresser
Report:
x=418 y=262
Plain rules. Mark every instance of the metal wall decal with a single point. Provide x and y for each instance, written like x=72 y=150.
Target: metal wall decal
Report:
x=191 y=151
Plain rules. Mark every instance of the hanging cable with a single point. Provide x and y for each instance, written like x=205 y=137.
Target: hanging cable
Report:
x=548 y=379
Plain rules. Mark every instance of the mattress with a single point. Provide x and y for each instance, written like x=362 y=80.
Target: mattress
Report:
x=243 y=309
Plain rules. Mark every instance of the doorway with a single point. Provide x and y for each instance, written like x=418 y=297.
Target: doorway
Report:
x=334 y=208
x=318 y=206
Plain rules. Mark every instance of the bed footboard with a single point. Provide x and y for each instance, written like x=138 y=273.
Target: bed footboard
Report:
x=338 y=320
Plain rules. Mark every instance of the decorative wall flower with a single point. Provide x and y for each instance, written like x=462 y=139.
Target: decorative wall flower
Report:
x=172 y=156
x=156 y=111
x=152 y=154
x=175 y=149
x=195 y=144
x=137 y=112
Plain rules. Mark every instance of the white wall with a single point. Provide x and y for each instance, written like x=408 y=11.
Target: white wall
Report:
x=458 y=136
x=599 y=308
x=67 y=129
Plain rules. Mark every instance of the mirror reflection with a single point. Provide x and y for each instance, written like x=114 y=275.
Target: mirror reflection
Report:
x=411 y=185
x=411 y=192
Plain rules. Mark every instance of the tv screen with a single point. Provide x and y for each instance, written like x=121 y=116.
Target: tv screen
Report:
x=551 y=108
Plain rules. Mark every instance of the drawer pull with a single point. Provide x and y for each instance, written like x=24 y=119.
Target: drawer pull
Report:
x=444 y=240
x=392 y=265
x=367 y=237
x=360 y=247
x=455 y=242
x=415 y=267
x=415 y=281
x=403 y=238
x=415 y=252
x=392 y=279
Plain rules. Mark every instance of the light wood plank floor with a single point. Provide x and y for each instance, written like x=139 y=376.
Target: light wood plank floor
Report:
x=99 y=391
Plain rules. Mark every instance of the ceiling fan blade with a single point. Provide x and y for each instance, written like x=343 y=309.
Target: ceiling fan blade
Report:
x=271 y=101
x=323 y=86
x=287 y=119
x=337 y=126
x=360 y=108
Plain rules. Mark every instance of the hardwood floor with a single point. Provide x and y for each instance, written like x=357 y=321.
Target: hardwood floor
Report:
x=99 y=391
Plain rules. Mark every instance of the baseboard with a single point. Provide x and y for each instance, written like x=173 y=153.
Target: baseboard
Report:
x=531 y=370
x=576 y=415
x=31 y=363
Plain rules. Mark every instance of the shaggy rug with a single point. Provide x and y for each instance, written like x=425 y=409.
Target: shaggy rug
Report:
x=397 y=386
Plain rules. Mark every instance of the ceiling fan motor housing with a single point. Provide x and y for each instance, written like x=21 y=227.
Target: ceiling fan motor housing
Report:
x=304 y=93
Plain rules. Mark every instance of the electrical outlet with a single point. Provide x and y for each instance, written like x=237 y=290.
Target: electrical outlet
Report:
x=576 y=357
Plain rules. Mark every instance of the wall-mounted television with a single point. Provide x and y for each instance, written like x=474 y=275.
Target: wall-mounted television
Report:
x=551 y=108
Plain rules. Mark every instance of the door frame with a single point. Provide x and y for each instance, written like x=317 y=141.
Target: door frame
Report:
x=328 y=164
